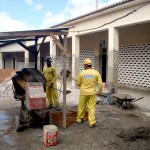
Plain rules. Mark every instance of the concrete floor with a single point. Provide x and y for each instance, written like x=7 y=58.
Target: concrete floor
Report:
x=112 y=120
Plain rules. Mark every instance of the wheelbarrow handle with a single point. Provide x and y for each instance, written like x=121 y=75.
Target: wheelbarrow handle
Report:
x=137 y=99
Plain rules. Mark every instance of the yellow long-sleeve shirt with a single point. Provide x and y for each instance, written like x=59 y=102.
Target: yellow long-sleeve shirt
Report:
x=87 y=81
x=50 y=74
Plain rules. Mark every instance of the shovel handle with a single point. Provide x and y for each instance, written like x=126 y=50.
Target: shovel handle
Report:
x=67 y=91
x=56 y=89
x=73 y=78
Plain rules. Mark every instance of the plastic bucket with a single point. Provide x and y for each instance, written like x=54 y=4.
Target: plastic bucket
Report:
x=50 y=135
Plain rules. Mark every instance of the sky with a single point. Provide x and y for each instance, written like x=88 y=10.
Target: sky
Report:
x=17 y=15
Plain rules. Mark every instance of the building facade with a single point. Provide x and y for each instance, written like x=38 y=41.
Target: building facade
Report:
x=116 y=38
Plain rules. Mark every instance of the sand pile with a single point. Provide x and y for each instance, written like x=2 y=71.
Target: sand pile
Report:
x=5 y=74
x=5 y=82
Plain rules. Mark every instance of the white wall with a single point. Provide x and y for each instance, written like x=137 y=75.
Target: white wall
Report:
x=12 y=48
x=104 y=17
x=135 y=34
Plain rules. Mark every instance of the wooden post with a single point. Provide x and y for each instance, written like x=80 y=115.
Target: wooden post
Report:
x=64 y=83
x=62 y=48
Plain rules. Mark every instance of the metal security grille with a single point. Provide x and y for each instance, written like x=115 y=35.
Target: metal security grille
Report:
x=86 y=53
x=59 y=63
x=134 y=65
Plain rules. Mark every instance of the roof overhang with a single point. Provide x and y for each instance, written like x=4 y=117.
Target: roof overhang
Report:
x=30 y=33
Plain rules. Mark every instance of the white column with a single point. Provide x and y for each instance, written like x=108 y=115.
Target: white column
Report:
x=112 y=66
x=53 y=51
x=26 y=55
x=16 y=62
x=1 y=61
x=75 y=57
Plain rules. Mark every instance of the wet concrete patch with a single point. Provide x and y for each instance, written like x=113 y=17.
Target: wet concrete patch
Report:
x=57 y=118
x=8 y=140
x=5 y=120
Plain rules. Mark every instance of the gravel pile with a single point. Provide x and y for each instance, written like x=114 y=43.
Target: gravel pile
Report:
x=6 y=88
x=131 y=135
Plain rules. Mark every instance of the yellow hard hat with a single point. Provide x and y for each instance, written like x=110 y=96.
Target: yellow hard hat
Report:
x=87 y=62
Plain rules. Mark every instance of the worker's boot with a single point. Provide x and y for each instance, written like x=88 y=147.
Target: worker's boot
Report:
x=94 y=125
x=79 y=121
x=57 y=108
x=50 y=107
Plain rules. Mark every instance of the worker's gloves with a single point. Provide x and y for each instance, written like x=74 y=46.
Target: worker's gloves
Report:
x=99 y=93
x=51 y=85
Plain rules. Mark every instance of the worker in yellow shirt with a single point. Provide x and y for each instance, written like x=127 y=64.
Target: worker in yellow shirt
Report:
x=87 y=80
x=50 y=74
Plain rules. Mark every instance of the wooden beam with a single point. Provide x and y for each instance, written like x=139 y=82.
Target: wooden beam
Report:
x=16 y=40
x=27 y=48
x=6 y=43
x=64 y=50
x=23 y=34
x=41 y=45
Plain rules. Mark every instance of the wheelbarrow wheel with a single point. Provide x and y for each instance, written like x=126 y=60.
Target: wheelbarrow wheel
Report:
x=126 y=105
x=17 y=123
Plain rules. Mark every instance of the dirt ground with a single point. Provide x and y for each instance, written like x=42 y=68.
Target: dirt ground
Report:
x=118 y=129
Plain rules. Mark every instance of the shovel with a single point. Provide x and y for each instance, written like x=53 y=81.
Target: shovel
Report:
x=67 y=91
x=67 y=74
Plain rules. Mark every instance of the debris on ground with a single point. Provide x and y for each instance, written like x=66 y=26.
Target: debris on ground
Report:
x=7 y=131
x=131 y=135
x=6 y=88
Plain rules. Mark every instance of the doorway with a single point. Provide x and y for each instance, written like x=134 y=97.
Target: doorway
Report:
x=14 y=63
x=104 y=63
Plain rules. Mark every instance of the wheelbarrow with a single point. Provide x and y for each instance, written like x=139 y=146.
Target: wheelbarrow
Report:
x=125 y=100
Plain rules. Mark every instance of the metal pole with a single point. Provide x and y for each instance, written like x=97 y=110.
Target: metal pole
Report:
x=36 y=54
x=64 y=84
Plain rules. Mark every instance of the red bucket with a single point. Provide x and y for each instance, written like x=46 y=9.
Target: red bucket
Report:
x=50 y=135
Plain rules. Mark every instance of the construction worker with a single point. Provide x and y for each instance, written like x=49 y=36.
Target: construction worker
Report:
x=87 y=81
x=50 y=74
